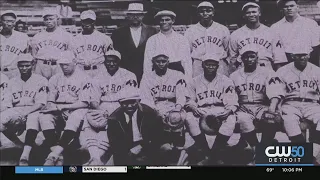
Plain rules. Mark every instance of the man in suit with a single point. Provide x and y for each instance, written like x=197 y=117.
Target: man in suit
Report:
x=131 y=40
x=134 y=131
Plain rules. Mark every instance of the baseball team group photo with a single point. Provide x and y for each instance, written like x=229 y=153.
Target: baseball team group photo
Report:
x=164 y=86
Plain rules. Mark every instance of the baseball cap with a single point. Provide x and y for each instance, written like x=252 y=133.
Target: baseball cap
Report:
x=135 y=8
x=25 y=58
x=250 y=4
x=165 y=13
x=128 y=93
x=205 y=4
x=113 y=53
x=66 y=57
x=248 y=48
x=302 y=51
x=160 y=52
x=212 y=56
x=89 y=14
x=281 y=3
x=49 y=12
x=9 y=12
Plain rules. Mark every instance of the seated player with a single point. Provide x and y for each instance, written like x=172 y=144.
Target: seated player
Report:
x=259 y=92
x=301 y=102
x=28 y=94
x=66 y=101
x=135 y=131
x=213 y=101
x=166 y=91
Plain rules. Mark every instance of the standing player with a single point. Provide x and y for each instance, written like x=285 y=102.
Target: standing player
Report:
x=5 y=93
x=213 y=95
x=90 y=45
x=169 y=41
x=208 y=36
x=301 y=101
x=297 y=32
x=12 y=44
x=28 y=94
x=166 y=90
x=253 y=33
x=65 y=96
x=259 y=91
x=48 y=44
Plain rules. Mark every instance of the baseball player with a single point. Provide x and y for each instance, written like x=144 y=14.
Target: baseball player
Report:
x=301 y=85
x=270 y=48
x=90 y=45
x=208 y=36
x=213 y=94
x=64 y=110
x=48 y=44
x=169 y=41
x=5 y=93
x=28 y=94
x=166 y=90
x=12 y=44
x=259 y=91
x=297 y=32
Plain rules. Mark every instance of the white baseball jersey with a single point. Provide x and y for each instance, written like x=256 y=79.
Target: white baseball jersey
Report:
x=203 y=40
x=219 y=92
x=176 y=47
x=105 y=87
x=68 y=90
x=268 y=43
x=171 y=86
x=90 y=49
x=11 y=48
x=33 y=91
x=5 y=93
x=299 y=34
x=258 y=86
x=47 y=45
x=305 y=84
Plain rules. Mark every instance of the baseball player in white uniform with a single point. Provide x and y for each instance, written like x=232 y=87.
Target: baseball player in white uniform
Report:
x=28 y=94
x=212 y=93
x=259 y=91
x=297 y=32
x=90 y=45
x=12 y=44
x=48 y=44
x=270 y=48
x=64 y=110
x=301 y=102
x=171 y=42
x=208 y=36
x=5 y=93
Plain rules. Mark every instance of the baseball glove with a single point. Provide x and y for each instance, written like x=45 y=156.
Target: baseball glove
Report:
x=97 y=119
x=271 y=117
x=210 y=124
x=174 y=121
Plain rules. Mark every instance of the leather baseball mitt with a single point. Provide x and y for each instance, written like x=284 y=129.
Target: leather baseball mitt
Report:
x=174 y=120
x=271 y=117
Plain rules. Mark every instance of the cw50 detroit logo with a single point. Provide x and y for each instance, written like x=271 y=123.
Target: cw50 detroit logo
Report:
x=284 y=154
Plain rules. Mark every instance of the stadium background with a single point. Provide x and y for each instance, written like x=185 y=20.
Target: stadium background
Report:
x=111 y=14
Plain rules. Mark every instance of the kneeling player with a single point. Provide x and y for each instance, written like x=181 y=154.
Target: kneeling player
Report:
x=66 y=102
x=212 y=95
x=256 y=86
x=28 y=94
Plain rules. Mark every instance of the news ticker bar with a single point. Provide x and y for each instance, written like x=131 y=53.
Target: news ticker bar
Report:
x=86 y=169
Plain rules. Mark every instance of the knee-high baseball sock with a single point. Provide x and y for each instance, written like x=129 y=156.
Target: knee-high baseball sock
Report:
x=11 y=135
x=31 y=136
x=297 y=139
x=268 y=133
x=201 y=142
x=251 y=138
x=51 y=138
x=316 y=144
x=65 y=140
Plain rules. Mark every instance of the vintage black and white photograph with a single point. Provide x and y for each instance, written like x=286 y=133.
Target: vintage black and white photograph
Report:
x=152 y=82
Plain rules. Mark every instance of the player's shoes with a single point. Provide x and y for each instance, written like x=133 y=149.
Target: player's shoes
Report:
x=51 y=160
x=315 y=162
x=23 y=162
x=94 y=162
x=60 y=161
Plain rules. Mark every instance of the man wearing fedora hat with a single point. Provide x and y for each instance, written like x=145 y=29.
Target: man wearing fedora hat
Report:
x=131 y=40
x=134 y=131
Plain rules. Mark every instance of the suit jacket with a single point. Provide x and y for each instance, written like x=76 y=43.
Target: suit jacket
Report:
x=121 y=138
x=132 y=56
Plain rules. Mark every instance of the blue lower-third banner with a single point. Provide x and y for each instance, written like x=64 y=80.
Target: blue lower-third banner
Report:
x=38 y=170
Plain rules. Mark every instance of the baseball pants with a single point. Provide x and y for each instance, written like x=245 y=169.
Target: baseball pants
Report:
x=227 y=127
x=46 y=68
x=92 y=70
x=90 y=137
x=197 y=68
x=247 y=114
x=10 y=117
x=294 y=111
x=10 y=73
